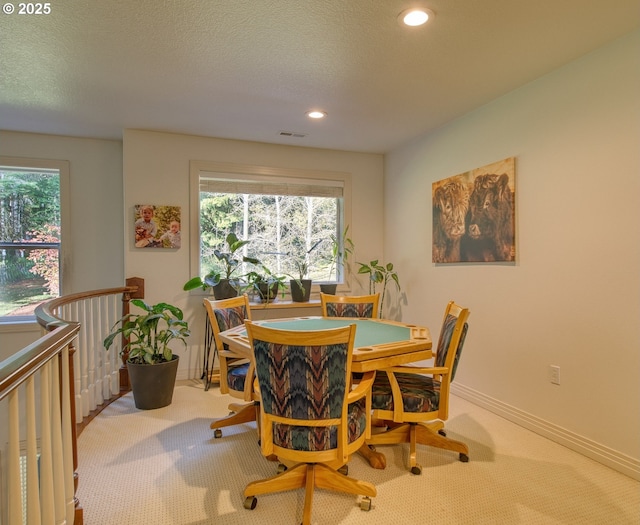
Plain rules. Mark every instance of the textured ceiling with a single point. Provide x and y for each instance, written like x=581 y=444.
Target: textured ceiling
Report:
x=248 y=69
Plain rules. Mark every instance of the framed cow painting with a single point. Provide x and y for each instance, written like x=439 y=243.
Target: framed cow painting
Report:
x=474 y=215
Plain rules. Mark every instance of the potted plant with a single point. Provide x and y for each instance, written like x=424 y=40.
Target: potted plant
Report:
x=222 y=282
x=339 y=255
x=264 y=284
x=379 y=274
x=301 y=287
x=151 y=363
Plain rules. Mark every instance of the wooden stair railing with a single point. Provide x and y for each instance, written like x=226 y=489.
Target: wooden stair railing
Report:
x=48 y=391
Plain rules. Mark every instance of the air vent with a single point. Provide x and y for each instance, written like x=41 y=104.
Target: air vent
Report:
x=292 y=134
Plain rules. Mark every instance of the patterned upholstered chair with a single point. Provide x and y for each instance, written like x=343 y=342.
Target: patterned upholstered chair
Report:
x=350 y=306
x=413 y=402
x=236 y=373
x=310 y=417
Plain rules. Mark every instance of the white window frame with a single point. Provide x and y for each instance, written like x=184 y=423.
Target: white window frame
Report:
x=62 y=166
x=257 y=173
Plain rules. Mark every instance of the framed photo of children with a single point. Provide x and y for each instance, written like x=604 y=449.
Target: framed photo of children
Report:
x=474 y=215
x=157 y=226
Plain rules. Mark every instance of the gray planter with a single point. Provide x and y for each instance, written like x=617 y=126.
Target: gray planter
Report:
x=267 y=292
x=225 y=289
x=300 y=295
x=152 y=385
x=329 y=288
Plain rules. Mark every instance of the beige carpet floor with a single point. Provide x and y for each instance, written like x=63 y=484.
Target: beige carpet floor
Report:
x=163 y=467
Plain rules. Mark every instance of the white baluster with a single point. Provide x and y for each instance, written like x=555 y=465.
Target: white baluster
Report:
x=91 y=355
x=114 y=352
x=33 y=483
x=67 y=438
x=56 y=443
x=84 y=360
x=47 y=501
x=98 y=352
x=14 y=492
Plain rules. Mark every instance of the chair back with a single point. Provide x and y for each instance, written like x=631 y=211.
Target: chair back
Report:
x=452 y=337
x=303 y=378
x=225 y=314
x=350 y=306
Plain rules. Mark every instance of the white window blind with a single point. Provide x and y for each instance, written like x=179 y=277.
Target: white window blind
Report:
x=258 y=185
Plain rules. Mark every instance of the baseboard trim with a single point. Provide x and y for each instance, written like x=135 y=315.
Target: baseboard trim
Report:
x=188 y=374
x=605 y=455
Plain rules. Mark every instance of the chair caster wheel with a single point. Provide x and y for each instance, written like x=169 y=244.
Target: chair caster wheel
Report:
x=442 y=432
x=282 y=468
x=365 y=504
x=417 y=470
x=250 y=502
x=344 y=470
x=217 y=433
x=464 y=458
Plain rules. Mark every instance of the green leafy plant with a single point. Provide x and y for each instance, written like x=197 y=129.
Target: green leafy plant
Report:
x=340 y=252
x=148 y=334
x=302 y=261
x=379 y=274
x=229 y=260
x=263 y=282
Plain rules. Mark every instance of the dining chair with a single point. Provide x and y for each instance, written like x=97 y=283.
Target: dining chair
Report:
x=311 y=417
x=350 y=305
x=412 y=403
x=236 y=372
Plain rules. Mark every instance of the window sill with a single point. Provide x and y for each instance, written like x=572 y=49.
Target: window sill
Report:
x=19 y=325
x=285 y=303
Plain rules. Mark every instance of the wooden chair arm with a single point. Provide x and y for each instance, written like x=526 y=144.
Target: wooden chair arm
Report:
x=249 y=388
x=256 y=390
x=398 y=406
x=363 y=387
x=232 y=356
x=436 y=370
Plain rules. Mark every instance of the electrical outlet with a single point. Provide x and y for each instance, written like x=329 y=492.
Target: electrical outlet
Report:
x=554 y=374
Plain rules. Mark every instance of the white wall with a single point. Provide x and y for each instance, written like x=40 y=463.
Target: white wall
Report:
x=572 y=297
x=156 y=171
x=96 y=259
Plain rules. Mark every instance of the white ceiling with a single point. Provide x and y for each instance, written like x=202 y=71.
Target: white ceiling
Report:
x=249 y=69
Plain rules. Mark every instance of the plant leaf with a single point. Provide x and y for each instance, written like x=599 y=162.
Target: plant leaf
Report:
x=141 y=304
x=192 y=284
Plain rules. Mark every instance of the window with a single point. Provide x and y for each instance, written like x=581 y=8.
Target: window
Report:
x=293 y=219
x=30 y=234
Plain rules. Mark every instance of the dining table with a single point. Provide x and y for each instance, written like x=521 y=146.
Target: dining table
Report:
x=379 y=344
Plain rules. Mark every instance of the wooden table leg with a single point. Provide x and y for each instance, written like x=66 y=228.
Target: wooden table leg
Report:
x=375 y=459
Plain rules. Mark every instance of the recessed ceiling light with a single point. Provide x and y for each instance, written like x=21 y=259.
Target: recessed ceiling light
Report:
x=415 y=16
x=316 y=114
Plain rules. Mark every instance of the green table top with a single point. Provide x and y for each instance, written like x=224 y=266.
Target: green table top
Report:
x=368 y=333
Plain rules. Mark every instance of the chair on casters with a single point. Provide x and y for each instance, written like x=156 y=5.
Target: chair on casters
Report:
x=350 y=305
x=310 y=416
x=413 y=406
x=236 y=373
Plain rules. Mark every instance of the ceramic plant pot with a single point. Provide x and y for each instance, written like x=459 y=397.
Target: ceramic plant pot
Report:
x=152 y=385
x=329 y=288
x=300 y=294
x=225 y=289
